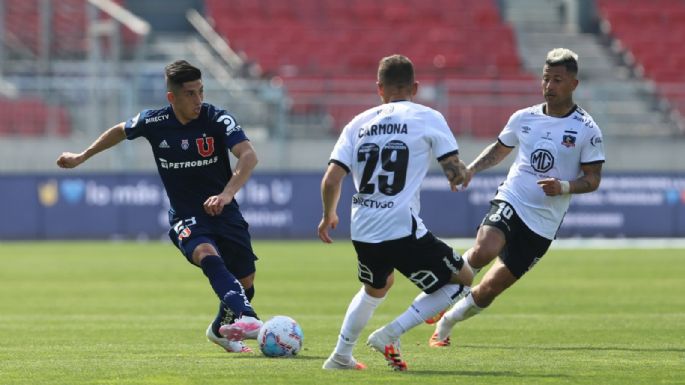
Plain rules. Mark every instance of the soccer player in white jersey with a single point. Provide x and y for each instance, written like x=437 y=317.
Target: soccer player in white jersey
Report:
x=560 y=153
x=388 y=150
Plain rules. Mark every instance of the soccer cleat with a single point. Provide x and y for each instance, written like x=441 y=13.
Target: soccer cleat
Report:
x=436 y=342
x=390 y=349
x=436 y=317
x=336 y=361
x=441 y=336
x=245 y=327
x=229 y=346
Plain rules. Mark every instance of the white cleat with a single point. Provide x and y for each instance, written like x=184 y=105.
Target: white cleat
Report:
x=229 y=346
x=245 y=327
x=389 y=348
x=336 y=361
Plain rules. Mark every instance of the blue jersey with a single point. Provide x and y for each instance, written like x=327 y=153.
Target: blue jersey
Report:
x=192 y=159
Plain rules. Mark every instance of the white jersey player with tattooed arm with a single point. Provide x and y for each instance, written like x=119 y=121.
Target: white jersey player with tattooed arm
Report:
x=560 y=153
x=388 y=150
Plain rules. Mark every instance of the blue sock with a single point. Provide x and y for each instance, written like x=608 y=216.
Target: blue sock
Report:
x=226 y=286
x=222 y=317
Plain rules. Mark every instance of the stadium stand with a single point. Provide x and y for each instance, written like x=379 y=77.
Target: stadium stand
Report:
x=34 y=34
x=651 y=34
x=334 y=47
x=65 y=35
x=30 y=117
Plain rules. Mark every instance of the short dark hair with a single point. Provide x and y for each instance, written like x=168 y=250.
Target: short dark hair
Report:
x=565 y=57
x=180 y=72
x=396 y=70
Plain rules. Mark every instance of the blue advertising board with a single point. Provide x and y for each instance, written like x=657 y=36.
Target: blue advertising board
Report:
x=288 y=205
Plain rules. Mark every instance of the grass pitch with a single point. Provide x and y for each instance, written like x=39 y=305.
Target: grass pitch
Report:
x=135 y=313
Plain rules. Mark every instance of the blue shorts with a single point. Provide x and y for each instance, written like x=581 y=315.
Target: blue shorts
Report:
x=230 y=238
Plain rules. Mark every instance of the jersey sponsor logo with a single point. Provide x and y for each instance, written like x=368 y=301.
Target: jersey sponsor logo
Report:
x=185 y=144
x=383 y=129
x=372 y=203
x=542 y=160
x=525 y=129
x=163 y=144
x=156 y=119
x=596 y=141
x=205 y=146
x=231 y=125
x=163 y=163
x=568 y=141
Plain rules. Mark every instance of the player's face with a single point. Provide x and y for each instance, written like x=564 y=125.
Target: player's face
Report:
x=187 y=101
x=558 y=85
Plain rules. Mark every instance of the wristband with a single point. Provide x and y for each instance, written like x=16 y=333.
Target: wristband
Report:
x=565 y=187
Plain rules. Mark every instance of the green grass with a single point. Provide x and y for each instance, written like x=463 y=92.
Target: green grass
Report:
x=135 y=313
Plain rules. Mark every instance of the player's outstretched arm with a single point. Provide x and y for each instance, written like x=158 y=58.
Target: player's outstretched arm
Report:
x=491 y=156
x=109 y=138
x=247 y=160
x=330 y=195
x=455 y=171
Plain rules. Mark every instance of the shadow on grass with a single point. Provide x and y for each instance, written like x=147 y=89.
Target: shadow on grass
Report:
x=466 y=373
x=576 y=348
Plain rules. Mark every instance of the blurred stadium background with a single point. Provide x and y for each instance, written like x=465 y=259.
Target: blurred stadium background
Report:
x=295 y=71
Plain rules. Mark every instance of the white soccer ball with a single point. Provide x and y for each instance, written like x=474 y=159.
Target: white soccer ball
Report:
x=280 y=336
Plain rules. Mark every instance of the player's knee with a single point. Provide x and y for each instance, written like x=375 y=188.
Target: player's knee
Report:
x=482 y=254
x=201 y=251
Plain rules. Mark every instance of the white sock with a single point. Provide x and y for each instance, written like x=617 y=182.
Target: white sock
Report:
x=466 y=256
x=462 y=310
x=359 y=312
x=424 y=307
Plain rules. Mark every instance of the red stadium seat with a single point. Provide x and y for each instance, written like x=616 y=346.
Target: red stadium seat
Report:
x=653 y=32
x=331 y=41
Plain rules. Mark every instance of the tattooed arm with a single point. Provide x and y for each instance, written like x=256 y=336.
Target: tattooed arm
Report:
x=592 y=175
x=491 y=156
x=588 y=182
x=454 y=169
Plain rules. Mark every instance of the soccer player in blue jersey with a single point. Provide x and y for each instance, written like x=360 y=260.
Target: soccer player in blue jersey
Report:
x=190 y=141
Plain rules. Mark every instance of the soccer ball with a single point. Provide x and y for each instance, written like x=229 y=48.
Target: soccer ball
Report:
x=280 y=336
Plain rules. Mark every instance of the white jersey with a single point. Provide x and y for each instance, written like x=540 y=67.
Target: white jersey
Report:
x=549 y=147
x=388 y=150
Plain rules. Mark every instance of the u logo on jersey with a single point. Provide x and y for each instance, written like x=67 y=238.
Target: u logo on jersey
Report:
x=205 y=146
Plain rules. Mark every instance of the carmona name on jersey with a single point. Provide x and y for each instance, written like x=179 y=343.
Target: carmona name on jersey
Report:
x=383 y=129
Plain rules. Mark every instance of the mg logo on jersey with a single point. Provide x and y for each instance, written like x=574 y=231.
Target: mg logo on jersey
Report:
x=541 y=160
x=205 y=146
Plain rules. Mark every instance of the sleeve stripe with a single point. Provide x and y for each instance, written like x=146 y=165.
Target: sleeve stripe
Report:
x=504 y=144
x=593 y=162
x=341 y=164
x=442 y=157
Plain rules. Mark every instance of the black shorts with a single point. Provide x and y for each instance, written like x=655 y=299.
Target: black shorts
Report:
x=428 y=262
x=524 y=248
x=230 y=238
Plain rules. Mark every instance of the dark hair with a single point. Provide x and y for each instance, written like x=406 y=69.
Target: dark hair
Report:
x=180 y=72
x=396 y=70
